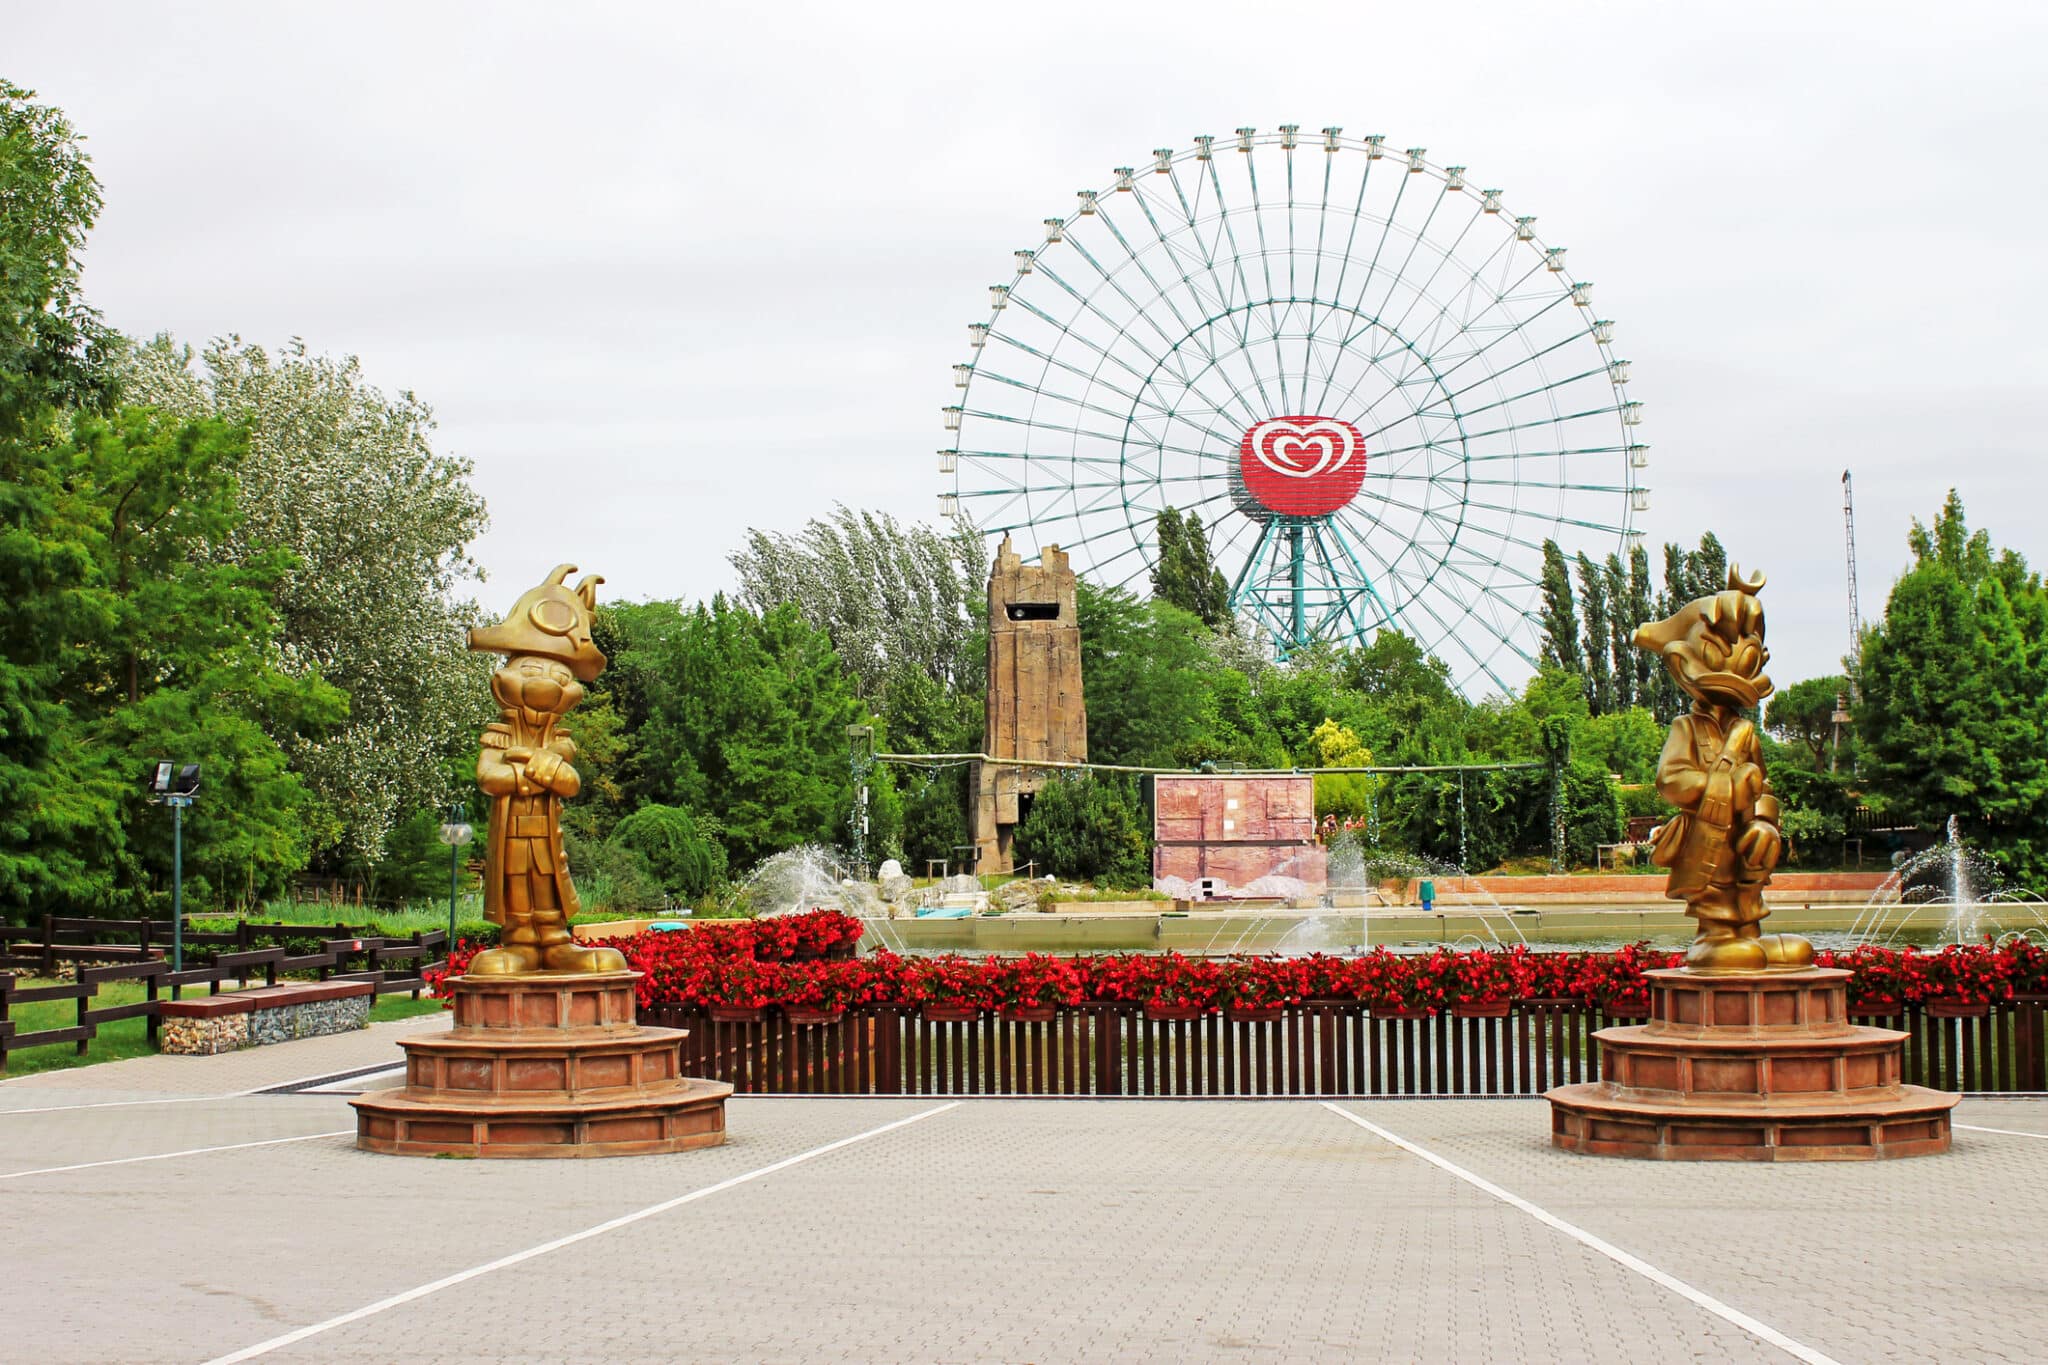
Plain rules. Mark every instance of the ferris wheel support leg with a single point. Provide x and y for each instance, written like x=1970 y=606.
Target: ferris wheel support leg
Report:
x=1297 y=577
x=1364 y=578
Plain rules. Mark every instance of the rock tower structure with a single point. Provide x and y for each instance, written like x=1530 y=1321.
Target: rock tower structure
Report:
x=1035 y=705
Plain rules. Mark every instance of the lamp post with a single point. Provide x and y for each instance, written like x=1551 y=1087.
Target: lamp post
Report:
x=175 y=785
x=456 y=831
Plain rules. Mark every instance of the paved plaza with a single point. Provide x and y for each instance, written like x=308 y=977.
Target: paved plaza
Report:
x=166 y=1208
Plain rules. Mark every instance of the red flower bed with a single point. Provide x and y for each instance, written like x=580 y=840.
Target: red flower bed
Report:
x=785 y=961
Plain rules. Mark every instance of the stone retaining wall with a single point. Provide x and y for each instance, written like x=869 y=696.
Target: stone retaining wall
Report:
x=255 y=1018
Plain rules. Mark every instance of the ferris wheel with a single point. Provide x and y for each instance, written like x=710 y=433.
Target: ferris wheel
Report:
x=1374 y=385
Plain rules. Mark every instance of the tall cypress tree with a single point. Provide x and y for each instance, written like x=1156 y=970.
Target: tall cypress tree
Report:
x=1560 y=618
x=1619 y=655
x=1183 y=574
x=1641 y=605
x=1594 y=608
x=1706 y=568
x=1212 y=593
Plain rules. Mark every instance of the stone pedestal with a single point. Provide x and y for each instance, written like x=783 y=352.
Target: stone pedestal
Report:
x=1763 y=1067
x=547 y=1065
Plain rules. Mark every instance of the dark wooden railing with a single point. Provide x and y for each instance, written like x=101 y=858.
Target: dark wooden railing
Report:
x=1316 y=1049
x=134 y=950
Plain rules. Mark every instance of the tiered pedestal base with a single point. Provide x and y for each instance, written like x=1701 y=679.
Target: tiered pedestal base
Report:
x=1763 y=1067
x=547 y=1065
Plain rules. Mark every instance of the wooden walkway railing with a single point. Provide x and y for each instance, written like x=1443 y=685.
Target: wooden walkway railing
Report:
x=1317 y=1049
x=392 y=964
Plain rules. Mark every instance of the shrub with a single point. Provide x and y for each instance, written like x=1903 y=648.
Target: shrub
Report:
x=680 y=849
x=1088 y=827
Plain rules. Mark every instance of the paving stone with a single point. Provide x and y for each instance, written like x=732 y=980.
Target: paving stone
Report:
x=998 y=1230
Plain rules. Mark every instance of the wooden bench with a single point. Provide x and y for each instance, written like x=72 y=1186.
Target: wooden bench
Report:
x=267 y=1014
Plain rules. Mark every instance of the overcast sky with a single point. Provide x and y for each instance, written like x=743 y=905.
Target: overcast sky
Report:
x=714 y=263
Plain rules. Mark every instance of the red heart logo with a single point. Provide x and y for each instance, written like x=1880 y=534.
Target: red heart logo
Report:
x=1302 y=466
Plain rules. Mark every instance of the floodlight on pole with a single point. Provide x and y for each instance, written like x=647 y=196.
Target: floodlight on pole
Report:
x=175 y=785
x=456 y=832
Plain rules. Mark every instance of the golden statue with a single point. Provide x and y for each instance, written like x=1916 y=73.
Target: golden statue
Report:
x=1724 y=841
x=524 y=768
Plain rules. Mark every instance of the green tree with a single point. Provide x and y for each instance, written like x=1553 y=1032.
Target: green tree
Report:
x=1641 y=609
x=1706 y=568
x=1185 y=574
x=52 y=346
x=745 y=722
x=1089 y=827
x=934 y=817
x=1803 y=715
x=1593 y=603
x=1621 y=664
x=1953 y=713
x=1560 y=618
x=377 y=523
x=56 y=804
x=1146 y=668
x=184 y=663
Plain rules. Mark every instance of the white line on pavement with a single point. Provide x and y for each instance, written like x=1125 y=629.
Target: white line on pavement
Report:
x=166 y=1156
x=1762 y=1331
x=653 y=1210
x=266 y=1088
x=2008 y=1132
x=114 y=1104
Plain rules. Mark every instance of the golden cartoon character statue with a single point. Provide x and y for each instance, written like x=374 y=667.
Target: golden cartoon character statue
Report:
x=1724 y=842
x=524 y=768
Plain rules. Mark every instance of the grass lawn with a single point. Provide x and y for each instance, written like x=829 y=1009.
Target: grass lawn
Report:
x=129 y=1037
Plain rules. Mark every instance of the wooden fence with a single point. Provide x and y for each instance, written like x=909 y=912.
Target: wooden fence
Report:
x=134 y=950
x=1317 y=1049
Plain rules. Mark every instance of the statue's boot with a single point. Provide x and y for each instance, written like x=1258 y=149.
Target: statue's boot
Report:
x=1721 y=951
x=1786 y=952
x=518 y=949
x=582 y=957
x=509 y=959
x=562 y=953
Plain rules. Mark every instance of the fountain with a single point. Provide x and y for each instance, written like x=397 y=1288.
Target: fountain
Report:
x=1358 y=880
x=1966 y=890
x=810 y=877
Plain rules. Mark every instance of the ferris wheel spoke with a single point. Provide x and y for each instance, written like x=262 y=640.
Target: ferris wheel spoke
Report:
x=1244 y=285
x=1067 y=400
x=1547 y=420
x=1513 y=398
x=1091 y=378
x=1415 y=241
x=1395 y=330
x=1351 y=237
x=1194 y=334
x=1190 y=211
x=1108 y=277
x=1494 y=299
x=1466 y=481
x=1315 y=287
x=1379 y=248
x=1251 y=172
x=1163 y=292
x=1089 y=306
x=1411 y=595
x=1504 y=331
x=1444 y=257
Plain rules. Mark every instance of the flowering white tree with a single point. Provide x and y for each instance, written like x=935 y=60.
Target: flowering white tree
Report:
x=345 y=478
